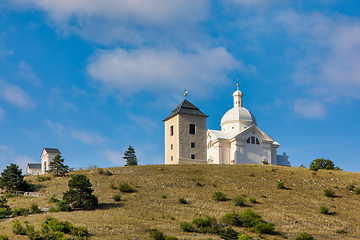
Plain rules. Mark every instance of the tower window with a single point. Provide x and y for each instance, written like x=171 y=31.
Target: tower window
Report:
x=192 y=145
x=172 y=158
x=171 y=130
x=192 y=128
x=171 y=146
x=192 y=156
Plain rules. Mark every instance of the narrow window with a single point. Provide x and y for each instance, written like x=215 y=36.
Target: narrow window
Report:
x=192 y=128
x=252 y=140
x=171 y=146
x=257 y=141
x=171 y=130
x=171 y=158
x=192 y=156
x=248 y=140
x=192 y=145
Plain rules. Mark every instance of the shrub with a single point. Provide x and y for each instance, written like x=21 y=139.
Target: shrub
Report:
x=156 y=234
x=328 y=192
x=126 y=188
x=324 y=210
x=263 y=228
x=350 y=187
x=3 y=237
x=304 y=236
x=32 y=234
x=163 y=196
x=182 y=201
x=8 y=195
x=244 y=237
x=19 y=212
x=117 y=198
x=342 y=231
x=229 y=233
x=357 y=191
x=34 y=208
x=53 y=199
x=4 y=212
x=249 y=218
x=17 y=228
x=219 y=196
x=321 y=163
x=63 y=206
x=106 y=172
x=232 y=219
x=186 y=227
x=205 y=225
x=112 y=186
x=239 y=201
x=52 y=209
x=252 y=175
x=79 y=231
x=280 y=185
x=253 y=200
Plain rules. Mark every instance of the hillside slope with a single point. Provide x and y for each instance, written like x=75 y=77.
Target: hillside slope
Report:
x=292 y=210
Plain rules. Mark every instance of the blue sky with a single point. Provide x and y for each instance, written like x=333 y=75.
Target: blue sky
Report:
x=92 y=77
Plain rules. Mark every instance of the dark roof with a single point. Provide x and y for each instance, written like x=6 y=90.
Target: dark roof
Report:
x=52 y=150
x=34 y=165
x=186 y=107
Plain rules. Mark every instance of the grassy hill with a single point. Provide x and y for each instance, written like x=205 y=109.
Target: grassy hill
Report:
x=154 y=204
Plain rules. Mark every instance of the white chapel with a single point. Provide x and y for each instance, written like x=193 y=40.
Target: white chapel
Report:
x=241 y=140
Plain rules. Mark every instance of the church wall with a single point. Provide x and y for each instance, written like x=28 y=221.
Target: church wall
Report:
x=174 y=140
x=199 y=138
x=224 y=151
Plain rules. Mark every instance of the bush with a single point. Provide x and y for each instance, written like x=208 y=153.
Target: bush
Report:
x=280 y=185
x=232 y=219
x=32 y=234
x=263 y=228
x=182 y=201
x=207 y=225
x=8 y=195
x=186 y=227
x=244 y=237
x=63 y=206
x=17 y=228
x=342 y=231
x=249 y=218
x=117 y=198
x=52 y=209
x=4 y=212
x=3 y=237
x=219 y=196
x=106 y=172
x=19 y=212
x=126 y=188
x=253 y=200
x=156 y=234
x=53 y=199
x=328 y=192
x=34 y=208
x=357 y=191
x=324 y=210
x=239 y=201
x=321 y=163
x=350 y=187
x=304 y=236
x=51 y=227
x=229 y=233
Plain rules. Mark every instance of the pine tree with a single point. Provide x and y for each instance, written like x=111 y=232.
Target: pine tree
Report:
x=57 y=166
x=79 y=195
x=13 y=180
x=130 y=157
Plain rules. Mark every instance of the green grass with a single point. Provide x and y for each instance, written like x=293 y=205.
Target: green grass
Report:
x=292 y=211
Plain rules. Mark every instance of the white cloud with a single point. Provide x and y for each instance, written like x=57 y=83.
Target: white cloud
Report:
x=27 y=73
x=154 y=70
x=57 y=100
x=146 y=124
x=87 y=137
x=2 y=113
x=309 y=108
x=114 y=156
x=15 y=95
x=56 y=128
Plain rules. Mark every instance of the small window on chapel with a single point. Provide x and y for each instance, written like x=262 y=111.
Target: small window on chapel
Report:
x=171 y=130
x=192 y=145
x=172 y=158
x=171 y=146
x=252 y=140
x=257 y=141
x=192 y=156
x=248 y=140
x=191 y=128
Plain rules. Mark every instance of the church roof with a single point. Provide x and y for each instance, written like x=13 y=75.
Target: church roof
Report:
x=34 y=165
x=186 y=107
x=52 y=150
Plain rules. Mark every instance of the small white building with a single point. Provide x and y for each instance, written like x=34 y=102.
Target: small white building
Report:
x=240 y=140
x=47 y=155
x=33 y=169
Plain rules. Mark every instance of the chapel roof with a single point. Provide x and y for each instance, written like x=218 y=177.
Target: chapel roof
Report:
x=186 y=107
x=34 y=165
x=52 y=150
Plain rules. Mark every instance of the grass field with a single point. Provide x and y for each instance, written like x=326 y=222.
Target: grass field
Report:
x=155 y=204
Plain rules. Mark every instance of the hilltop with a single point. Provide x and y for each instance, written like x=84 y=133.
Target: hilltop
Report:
x=154 y=204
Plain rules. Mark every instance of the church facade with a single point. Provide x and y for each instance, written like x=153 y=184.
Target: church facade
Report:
x=47 y=155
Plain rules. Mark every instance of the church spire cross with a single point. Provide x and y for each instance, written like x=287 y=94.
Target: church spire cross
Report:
x=185 y=93
x=237 y=85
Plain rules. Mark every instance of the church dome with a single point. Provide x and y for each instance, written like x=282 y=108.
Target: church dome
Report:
x=238 y=114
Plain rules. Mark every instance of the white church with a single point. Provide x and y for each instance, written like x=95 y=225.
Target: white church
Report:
x=47 y=155
x=240 y=140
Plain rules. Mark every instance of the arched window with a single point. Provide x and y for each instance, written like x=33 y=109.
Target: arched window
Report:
x=253 y=140
x=171 y=130
x=192 y=128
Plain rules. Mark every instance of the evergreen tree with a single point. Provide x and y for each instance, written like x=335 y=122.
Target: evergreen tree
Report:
x=130 y=157
x=13 y=180
x=57 y=166
x=321 y=163
x=79 y=195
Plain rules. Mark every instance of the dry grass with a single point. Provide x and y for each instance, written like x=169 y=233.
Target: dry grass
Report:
x=292 y=210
